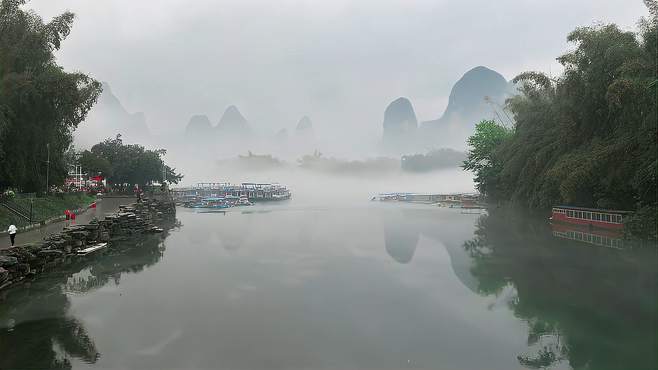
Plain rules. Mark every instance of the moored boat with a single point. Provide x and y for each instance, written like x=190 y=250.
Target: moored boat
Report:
x=252 y=192
x=92 y=249
x=590 y=217
x=236 y=201
x=211 y=202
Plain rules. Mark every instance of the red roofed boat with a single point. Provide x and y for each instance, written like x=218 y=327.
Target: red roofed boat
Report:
x=590 y=217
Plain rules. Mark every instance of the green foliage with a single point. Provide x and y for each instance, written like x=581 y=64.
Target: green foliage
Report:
x=587 y=138
x=258 y=161
x=643 y=222
x=40 y=103
x=54 y=205
x=433 y=160
x=46 y=207
x=482 y=158
x=372 y=166
x=94 y=164
x=128 y=163
x=558 y=288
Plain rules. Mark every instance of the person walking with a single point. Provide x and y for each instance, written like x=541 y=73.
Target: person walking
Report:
x=12 y=233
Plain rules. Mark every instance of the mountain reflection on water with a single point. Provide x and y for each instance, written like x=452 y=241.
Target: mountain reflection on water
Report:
x=379 y=286
x=36 y=329
x=594 y=307
x=591 y=308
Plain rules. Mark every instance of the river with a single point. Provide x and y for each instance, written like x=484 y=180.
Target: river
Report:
x=363 y=285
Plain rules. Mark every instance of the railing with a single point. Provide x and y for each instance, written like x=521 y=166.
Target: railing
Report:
x=17 y=210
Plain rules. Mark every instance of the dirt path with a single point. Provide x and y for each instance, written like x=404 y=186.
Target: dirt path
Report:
x=107 y=205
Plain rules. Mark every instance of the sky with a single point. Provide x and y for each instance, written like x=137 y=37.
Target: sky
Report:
x=340 y=62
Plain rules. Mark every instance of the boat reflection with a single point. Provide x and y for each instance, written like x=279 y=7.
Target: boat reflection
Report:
x=599 y=237
x=573 y=299
x=202 y=210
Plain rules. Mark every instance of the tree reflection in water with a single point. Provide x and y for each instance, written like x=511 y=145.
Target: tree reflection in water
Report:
x=42 y=306
x=41 y=309
x=594 y=307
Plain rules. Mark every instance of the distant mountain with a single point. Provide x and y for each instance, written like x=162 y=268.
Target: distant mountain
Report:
x=199 y=125
x=233 y=122
x=467 y=102
x=108 y=118
x=304 y=125
x=282 y=135
x=400 y=124
x=479 y=94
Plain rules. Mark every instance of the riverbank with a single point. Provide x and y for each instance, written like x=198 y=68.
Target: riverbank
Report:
x=38 y=232
x=30 y=260
x=44 y=209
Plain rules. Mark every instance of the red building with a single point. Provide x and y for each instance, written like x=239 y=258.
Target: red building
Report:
x=591 y=217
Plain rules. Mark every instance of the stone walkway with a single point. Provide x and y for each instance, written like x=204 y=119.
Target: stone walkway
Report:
x=103 y=206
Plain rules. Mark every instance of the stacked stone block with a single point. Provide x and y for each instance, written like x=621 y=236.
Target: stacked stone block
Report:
x=26 y=261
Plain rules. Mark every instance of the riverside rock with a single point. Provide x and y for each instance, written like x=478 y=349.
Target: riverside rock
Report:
x=4 y=274
x=7 y=261
x=26 y=261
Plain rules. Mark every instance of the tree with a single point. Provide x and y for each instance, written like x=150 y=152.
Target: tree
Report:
x=586 y=138
x=482 y=158
x=95 y=164
x=433 y=160
x=510 y=249
x=40 y=103
x=128 y=163
x=171 y=176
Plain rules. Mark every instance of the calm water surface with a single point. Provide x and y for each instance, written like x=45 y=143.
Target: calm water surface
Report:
x=374 y=286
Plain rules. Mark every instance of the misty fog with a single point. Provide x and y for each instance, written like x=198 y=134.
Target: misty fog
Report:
x=209 y=81
x=458 y=184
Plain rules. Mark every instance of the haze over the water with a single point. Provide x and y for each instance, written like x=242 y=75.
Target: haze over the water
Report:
x=338 y=62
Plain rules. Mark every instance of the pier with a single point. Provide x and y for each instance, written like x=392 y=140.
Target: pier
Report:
x=255 y=192
x=459 y=200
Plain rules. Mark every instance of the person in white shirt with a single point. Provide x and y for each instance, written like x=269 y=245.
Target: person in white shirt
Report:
x=12 y=233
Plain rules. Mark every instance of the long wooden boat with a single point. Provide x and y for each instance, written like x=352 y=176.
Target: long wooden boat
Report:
x=211 y=202
x=251 y=192
x=590 y=217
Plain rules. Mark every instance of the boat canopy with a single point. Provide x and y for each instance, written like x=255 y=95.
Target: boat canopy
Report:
x=593 y=210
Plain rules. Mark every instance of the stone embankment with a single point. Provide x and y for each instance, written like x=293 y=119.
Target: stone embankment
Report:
x=27 y=261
